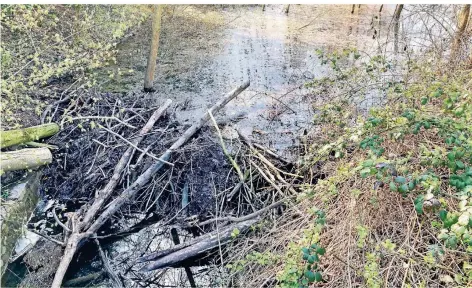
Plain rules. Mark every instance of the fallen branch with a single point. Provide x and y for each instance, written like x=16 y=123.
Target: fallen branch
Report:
x=242 y=218
x=77 y=236
x=15 y=137
x=200 y=245
x=28 y=158
x=116 y=281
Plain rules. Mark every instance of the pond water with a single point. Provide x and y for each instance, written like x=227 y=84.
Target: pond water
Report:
x=207 y=51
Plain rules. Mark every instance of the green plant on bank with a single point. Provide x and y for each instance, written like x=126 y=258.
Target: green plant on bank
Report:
x=45 y=45
x=301 y=262
x=432 y=107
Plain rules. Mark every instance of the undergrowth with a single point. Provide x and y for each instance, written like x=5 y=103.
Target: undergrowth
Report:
x=395 y=182
x=46 y=48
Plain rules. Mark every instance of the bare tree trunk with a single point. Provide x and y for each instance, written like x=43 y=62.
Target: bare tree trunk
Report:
x=287 y=8
x=263 y=7
x=396 y=19
x=460 y=33
x=381 y=7
x=152 y=58
x=353 y=8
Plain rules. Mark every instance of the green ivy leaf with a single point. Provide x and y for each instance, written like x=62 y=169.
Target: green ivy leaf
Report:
x=310 y=275
x=443 y=215
x=403 y=188
x=400 y=179
x=321 y=251
x=419 y=201
x=393 y=187
x=460 y=165
x=451 y=156
x=318 y=277
x=424 y=100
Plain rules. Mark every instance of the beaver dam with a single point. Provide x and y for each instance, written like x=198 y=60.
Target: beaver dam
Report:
x=271 y=145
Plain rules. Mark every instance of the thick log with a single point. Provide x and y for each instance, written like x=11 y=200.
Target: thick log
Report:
x=14 y=137
x=201 y=245
x=29 y=158
x=130 y=192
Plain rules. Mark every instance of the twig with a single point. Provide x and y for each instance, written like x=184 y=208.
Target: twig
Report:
x=59 y=221
x=135 y=147
x=225 y=151
x=100 y=118
x=47 y=237
x=243 y=218
x=108 y=268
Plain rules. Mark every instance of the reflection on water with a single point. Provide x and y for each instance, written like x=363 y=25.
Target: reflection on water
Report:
x=276 y=52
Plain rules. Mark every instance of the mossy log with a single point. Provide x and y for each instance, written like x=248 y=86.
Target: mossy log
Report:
x=14 y=137
x=24 y=159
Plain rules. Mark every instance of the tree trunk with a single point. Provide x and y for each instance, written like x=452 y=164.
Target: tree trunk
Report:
x=24 y=159
x=460 y=33
x=396 y=19
x=152 y=58
x=15 y=137
x=201 y=245
x=353 y=8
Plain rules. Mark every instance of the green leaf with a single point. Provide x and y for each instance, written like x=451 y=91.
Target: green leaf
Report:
x=321 y=251
x=403 y=188
x=424 y=100
x=368 y=163
x=451 y=164
x=411 y=185
x=365 y=172
x=460 y=165
x=305 y=250
x=310 y=275
x=311 y=259
x=443 y=215
x=318 y=276
x=393 y=187
x=451 y=156
x=419 y=201
x=400 y=179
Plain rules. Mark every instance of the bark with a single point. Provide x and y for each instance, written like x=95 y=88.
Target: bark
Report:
x=287 y=8
x=200 y=245
x=381 y=7
x=152 y=58
x=79 y=281
x=29 y=158
x=396 y=19
x=460 y=33
x=77 y=235
x=15 y=137
x=353 y=8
